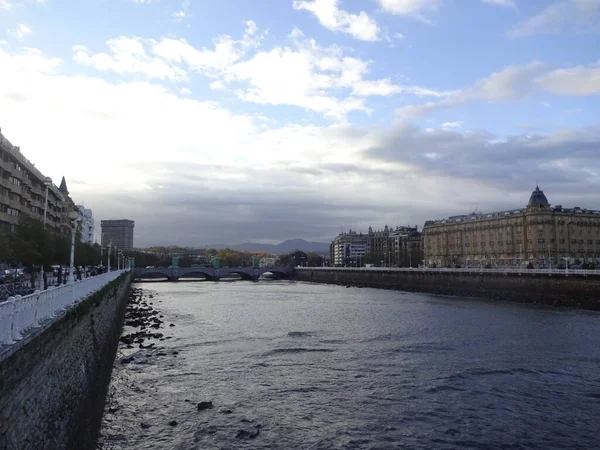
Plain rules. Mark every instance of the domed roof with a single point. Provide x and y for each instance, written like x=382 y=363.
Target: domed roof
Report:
x=538 y=198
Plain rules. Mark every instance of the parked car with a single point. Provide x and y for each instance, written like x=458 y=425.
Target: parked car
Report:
x=14 y=275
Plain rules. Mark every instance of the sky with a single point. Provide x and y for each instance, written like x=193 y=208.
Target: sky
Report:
x=261 y=120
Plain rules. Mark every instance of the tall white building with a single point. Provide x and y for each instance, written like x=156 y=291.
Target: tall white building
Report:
x=347 y=247
x=86 y=218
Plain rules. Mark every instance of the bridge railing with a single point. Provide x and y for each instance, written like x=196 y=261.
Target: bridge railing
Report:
x=500 y=270
x=20 y=314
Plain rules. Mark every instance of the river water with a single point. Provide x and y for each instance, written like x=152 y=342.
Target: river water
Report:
x=293 y=365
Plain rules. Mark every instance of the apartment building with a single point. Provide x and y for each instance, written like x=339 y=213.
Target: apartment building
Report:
x=538 y=234
x=346 y=248
x=86 y=218
x=23 y=190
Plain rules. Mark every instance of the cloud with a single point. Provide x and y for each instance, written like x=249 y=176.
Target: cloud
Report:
x=503 y=3
x=359 y=26
x=452 y=124
x=510 y=82
x=185 y=91
x=10 y=4
x=226 y=51
x=184 y=12
x=227 y=179
x=577 y=80
x=411 y=8
x=20 y=32
x=561 y=16
x=516 y=82
x=565 y=161
x=127 y=55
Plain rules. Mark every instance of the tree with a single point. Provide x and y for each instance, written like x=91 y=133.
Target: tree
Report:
x=285 y=260
x=374 y=258
x=6 y=252
x=314 y=259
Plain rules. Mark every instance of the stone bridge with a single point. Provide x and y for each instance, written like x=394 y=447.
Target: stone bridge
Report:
x=211 y=274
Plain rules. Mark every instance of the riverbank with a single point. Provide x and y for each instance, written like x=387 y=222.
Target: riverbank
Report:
x=578 y=291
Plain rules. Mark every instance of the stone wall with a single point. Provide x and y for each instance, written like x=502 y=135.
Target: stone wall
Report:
x=558 y=290
x=52 y=390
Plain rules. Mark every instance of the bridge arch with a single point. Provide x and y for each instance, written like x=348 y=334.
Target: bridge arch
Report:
x=195 y=273
x=277 y=273
x=150 y=274
x=244 y=275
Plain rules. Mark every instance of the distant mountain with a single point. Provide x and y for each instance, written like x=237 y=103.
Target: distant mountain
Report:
x=283 y=247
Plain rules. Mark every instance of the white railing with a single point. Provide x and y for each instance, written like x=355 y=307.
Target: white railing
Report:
x=506 y=270
x=19 y=315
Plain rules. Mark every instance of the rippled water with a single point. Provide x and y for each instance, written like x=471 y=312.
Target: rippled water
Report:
x=325 y=367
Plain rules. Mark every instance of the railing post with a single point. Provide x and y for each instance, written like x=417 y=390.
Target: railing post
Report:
x=17 y=319
x=6 y=321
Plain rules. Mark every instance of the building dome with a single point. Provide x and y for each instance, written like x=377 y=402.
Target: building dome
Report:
x=538 y=198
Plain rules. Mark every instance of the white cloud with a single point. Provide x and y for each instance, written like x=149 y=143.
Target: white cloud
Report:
x=398 y=36
x=517 y=82
x=184 y=11
x=20 y=32
x=209 y=61
x=360 y=26
x=378 y=87
x=10 y=4
x=412 y=8
x=452 y=124
x=185 y=91
x=578 y=80
x=560 y=16
x=509 y=83
x=503 y=3
x=217 y=85
x=7 y=4
x=127 y=55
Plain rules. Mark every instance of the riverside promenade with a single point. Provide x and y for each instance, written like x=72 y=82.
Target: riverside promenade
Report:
x=558 y=287
x=57 y=349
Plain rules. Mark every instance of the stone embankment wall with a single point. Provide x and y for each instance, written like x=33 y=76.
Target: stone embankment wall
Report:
x=558 y=290
x=52 y=390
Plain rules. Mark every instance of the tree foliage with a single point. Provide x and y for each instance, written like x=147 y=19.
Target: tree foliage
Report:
x=31 y=245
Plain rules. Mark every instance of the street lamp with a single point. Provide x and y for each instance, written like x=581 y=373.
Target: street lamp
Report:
x=47 y=183
x=74 y=218
x=109 y=246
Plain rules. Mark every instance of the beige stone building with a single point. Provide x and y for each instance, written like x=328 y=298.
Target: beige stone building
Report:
x=538 y=234
x=23 y=193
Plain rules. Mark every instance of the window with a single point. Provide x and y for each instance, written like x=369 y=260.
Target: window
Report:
x=590 y=241
x=14 y=181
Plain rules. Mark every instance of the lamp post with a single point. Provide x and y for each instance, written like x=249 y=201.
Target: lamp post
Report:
x=566 y=265
x=47 y=183
x=108 y=262
x=74 y=218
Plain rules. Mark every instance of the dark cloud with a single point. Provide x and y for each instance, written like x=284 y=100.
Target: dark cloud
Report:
x=567 y=161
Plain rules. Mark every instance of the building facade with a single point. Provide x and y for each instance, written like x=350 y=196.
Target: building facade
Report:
x=117 y=233
x=86 y=218
x=399 y=247
x=538 y=234
x=406 y=247
x=347 y=248
x=24 y=190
